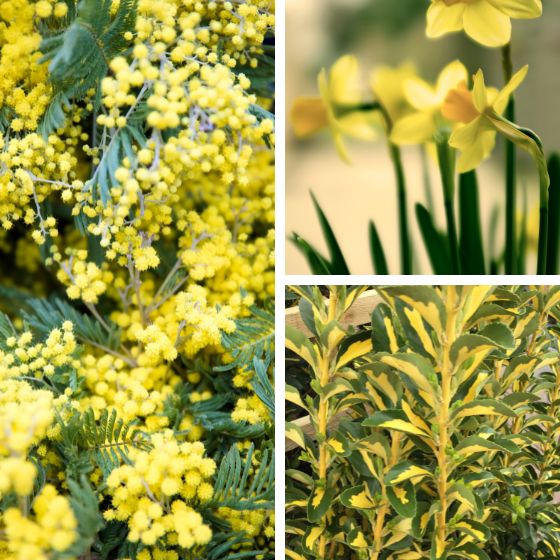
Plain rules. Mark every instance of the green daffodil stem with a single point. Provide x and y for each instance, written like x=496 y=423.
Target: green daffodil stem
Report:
x=395 y=153
x=406 y=253
x=446 y=160
x=543 y=229
x=511 y=243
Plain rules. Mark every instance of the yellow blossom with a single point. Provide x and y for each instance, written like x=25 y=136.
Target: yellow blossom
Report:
x=340 y=91
x=427 y=101
x=486 y=21
x=475 y=136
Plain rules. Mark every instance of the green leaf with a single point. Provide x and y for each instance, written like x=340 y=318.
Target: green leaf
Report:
x=471 y=246
x=476 y=444
x=403 y=499
x=434 y=242
x=337 y=262
x=406 y=470
x=242 y=486
x=319 y=503
x=552 y=254
x=253 y=338
x=382 y=328
x=316 y=261
x=297 y=342
x=470 y=551
x=377 y=253
x=394 y=420
x=473 y=528
x=500 y=334
x=357 y=498
x=352 y=347
x=483 y=407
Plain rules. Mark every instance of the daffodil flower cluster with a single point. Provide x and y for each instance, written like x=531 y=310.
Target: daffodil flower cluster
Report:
x=459 y=115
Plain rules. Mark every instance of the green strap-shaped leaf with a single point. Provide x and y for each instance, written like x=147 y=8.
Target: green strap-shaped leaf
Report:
x=377 y=253
x=552 y=254
x=316 y=261
x=338 y=263
x=473 y=528
x=403 y=498
x=470 y=247
x=500 y=334
x=434 y=242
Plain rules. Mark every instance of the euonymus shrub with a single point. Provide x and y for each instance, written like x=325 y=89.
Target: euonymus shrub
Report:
x=434 y=432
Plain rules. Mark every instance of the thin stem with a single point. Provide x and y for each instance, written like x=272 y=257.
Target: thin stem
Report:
x=404 y=235
x=443 y=418
x=511 y=163
x=323 y=412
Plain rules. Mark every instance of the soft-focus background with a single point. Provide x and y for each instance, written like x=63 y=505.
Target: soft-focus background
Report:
x=390 y=32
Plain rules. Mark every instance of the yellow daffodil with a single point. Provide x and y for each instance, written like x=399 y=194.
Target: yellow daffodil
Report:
x=426 y=101
x=340 y=91
x=478 y=114
x=486 y=21
x=387 y=84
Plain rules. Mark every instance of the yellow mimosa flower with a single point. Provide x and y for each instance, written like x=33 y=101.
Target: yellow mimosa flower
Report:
x=486 y=21
x=388 y=86
x=476 y=112
x=340 y=91
x=426 y=100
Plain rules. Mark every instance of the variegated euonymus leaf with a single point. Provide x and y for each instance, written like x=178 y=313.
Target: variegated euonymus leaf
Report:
x=433 y=432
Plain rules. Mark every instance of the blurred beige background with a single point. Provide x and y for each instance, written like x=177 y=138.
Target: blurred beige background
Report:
x=389 y=32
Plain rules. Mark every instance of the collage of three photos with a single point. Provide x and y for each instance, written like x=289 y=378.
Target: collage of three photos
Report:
x=331 y=336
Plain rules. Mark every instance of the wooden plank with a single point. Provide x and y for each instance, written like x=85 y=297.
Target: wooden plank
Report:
x=358 y=314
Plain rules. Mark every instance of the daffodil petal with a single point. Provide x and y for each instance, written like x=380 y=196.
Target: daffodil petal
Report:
x=357 y=125
x=340 y=146
x=480 y=96
x=501 y=101
x=444 y=19
x=419 y=94
x=476 y=153
x=308 y=115
x=414 y=129
x=344 y=86
x=464 y=136
x=519 y=9
x=486 y=24
x=450 y=77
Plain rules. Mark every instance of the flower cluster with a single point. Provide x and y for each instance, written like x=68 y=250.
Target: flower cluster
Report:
x=137 y=216
x=51 y=531
x=155 y=494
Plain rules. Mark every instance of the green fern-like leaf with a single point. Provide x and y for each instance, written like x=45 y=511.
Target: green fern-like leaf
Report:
x=262 y=385
x=106 y=441
x=237 y=487
x=45 y=315
x=253 y=338
x=80 y=54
